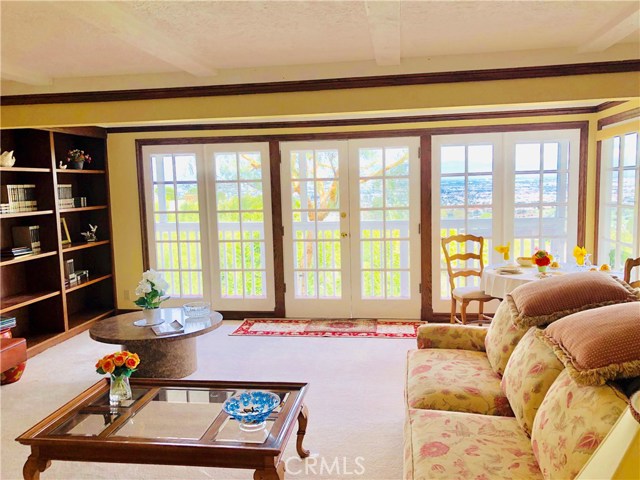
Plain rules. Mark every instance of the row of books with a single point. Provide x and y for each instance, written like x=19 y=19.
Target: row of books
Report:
x=18 y=198
x=65 y=196
x=27 y=236
x=13 y=252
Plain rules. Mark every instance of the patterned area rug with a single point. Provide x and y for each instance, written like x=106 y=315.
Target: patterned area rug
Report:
x=304 y=327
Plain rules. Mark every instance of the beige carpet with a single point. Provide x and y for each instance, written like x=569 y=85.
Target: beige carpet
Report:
x=355 y=403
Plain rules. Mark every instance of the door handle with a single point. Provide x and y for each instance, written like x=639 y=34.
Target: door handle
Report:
x=344 y=235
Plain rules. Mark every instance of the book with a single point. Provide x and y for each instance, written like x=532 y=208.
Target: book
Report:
x=7 y=322
x=168 y=328
x=27 y=237
x=65 y=196
x=15 y=252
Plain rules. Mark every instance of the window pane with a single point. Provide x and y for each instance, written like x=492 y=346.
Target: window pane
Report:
x=186 y=168
x=250 y=165
x=630 y=149
x=397 y=192
x=550 y=152
x=629 y=187
x=550 y=187
x=527 y=188
x=452 y=191
x=226 y=166
x=396 y=161
x=527 y=157
x=327 y=164
x=480 y=190
x=371 y=162
x=480 y=158
x=452 y=159
x=162 y=168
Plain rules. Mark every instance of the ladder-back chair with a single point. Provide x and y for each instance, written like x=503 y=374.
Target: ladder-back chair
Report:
x=465 y=295
x=628 y=266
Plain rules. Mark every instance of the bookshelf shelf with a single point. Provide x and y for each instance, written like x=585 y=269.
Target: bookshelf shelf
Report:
x=27 y=258
x=24 y=299
x=80 y=319
x=81 y=172
x=32 y=286
x=90 y=282
x=25 y=214
x=84 y=209
x=81 y=246
x=25 y=169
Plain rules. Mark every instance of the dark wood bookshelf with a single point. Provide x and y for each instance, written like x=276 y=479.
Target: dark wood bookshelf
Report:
x=80 y=319
x=14 y=302
x=81 y=172
x=25 y=169
x=25 y=214
x=27 y=258
x=101 y=278
x=81 y=246
x=32 y=286
x=83 y=209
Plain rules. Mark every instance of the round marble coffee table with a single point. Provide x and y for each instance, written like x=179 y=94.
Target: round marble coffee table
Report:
x=170 y=356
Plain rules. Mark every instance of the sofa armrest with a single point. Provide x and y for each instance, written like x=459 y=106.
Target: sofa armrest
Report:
x=453 y=336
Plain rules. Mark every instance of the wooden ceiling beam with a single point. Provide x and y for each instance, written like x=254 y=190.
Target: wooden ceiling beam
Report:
x=384 y=29
x=615 y=31
x=115 y=20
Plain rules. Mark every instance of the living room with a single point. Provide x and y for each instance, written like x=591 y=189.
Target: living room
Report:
x=142 y=82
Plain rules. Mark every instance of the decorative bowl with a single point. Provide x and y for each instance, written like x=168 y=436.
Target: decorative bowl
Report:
x=197 y=309
x=524 y=261
x=251 y=408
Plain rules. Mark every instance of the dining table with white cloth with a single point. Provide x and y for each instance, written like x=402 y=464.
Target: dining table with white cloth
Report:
x=498 y=283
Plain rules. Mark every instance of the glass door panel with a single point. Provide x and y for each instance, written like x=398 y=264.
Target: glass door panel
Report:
x=315 y=208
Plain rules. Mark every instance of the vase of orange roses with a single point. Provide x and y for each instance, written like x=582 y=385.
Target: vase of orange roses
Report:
x=542 y=259
x=120 y=366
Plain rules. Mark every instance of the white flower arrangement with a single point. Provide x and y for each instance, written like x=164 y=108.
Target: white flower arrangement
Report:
x=151 y=290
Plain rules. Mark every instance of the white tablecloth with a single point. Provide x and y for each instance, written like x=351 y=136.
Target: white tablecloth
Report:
x=498 y=285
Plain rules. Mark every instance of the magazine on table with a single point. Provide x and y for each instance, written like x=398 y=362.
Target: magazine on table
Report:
x=168 y=328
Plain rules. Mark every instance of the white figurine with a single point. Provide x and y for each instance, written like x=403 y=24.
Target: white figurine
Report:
x=7 y=159
x=90 y=236
x=62 y=166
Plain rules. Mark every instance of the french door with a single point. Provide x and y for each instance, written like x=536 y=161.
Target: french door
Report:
x=351 y=228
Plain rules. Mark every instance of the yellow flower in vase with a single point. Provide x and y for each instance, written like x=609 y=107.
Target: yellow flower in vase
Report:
x=580 y=254
x=504 y=250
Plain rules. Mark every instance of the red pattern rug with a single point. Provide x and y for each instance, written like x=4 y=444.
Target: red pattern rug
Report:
x=305 y=327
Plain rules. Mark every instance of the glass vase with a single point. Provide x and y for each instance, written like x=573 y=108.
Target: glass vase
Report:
x=542 y=268
x=119 y=390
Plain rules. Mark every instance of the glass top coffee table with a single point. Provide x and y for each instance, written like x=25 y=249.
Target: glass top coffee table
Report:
x=168 y=422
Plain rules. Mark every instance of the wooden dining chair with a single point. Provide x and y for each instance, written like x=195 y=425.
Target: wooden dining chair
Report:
x=628 y=266
x=465 y=295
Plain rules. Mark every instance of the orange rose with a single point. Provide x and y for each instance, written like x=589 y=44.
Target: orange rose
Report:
x=119 y=359
x=99 y=364
x=132 y=361
x=108 y=366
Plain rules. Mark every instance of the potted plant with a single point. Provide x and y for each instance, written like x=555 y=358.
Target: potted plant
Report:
x=76 y=159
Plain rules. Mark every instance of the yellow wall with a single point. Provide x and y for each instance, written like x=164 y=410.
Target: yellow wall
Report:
x=121 y=147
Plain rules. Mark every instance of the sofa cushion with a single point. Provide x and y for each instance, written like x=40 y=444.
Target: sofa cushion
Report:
x=570 y=424
x=502 y=337
x=598 y=345
x=458 y=380
x=452 y=445
x=542 y=302
x=531 y=370
x=451 y=335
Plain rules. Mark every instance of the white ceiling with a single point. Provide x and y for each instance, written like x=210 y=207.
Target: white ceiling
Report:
x=54 y=46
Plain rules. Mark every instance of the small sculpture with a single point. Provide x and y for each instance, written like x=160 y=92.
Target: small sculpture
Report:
x=7 y=159
x=62 y=166
x=90 y=236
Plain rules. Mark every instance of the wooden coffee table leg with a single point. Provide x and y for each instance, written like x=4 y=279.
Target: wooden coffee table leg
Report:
x=270 y=473
x=303 y=417
x=33 y=466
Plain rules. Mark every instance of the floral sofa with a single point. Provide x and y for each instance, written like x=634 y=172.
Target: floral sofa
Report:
x=497 y=402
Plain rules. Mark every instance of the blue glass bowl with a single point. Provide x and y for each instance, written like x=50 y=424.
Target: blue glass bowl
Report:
x=251 y=408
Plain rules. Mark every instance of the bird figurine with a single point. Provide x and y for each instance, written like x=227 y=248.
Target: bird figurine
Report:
x=90 y=236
